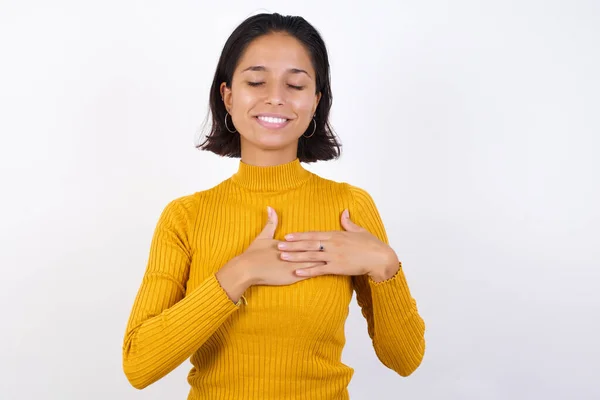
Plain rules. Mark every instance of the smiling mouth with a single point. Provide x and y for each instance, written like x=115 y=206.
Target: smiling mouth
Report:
x=272 y=122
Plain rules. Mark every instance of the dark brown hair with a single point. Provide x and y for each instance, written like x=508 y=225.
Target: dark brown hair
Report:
x=323 y=145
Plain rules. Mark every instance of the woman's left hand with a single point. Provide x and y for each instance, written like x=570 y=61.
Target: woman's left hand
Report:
x=354 y=251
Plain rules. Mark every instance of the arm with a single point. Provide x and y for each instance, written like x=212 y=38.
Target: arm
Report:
x=394 y=324
x=166 y=327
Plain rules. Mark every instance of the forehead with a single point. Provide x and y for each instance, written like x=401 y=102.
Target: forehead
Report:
x=276 y=51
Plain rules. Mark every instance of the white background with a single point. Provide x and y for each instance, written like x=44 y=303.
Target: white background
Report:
x=474 y=125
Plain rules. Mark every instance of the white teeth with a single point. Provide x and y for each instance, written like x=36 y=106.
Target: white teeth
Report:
x=272 y=120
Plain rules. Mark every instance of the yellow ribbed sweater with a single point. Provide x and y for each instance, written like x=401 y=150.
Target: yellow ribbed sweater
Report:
x=285 y=342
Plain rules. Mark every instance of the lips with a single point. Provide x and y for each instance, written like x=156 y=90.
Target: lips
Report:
x=272 y=121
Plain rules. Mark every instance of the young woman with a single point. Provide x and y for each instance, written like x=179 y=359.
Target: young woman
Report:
x=252 y=278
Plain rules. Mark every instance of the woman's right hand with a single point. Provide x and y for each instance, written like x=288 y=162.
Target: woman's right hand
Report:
x=262 y=259
x=260 y=264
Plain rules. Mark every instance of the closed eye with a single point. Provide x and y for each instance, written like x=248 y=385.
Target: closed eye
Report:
x=253 y=84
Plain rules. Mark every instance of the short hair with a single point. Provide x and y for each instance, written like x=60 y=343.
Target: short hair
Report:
x=323 y=145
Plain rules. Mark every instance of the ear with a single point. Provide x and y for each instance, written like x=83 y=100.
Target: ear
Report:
x=226 y=96
x=318 y=98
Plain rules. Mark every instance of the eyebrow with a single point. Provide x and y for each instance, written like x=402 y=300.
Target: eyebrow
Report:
x=263 y=68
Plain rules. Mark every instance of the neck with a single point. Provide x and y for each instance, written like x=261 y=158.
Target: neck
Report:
x=259 y=157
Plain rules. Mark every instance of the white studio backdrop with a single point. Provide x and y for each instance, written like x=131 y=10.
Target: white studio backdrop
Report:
x=474 y=125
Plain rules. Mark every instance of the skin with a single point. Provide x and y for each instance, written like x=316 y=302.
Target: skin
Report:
x=283 y=68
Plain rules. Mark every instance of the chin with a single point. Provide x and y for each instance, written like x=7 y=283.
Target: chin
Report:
x=272 y=142
x=273 y=145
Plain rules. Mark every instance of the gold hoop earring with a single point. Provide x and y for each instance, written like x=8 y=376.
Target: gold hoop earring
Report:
x=314 y=129
x=226 y=127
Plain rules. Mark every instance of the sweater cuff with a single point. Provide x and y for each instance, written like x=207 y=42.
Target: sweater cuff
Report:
x=393 y=294
x=242 y=299
x=207 y=305
x=222 y=296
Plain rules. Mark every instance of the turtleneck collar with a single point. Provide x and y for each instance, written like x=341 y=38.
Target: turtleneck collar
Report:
x=272 y=178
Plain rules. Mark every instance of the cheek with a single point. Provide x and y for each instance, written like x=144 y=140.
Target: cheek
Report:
x=303 y=105
x=242 y=100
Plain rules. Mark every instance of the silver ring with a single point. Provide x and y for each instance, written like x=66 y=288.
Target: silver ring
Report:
x=321 y=248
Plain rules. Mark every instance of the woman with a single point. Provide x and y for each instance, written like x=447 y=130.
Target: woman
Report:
x=252 y=278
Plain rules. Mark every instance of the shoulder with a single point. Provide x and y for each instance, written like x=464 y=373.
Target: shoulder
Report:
x=349 y=189
x=182 y=210
x=360 y=196
x=356 y=194
x=357 y=197
x=183 y=203
x=187 y=206
x=190 y=203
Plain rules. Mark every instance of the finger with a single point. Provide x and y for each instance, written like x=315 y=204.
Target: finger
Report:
x=314 y=271
x=348 y=224
x=268 y=231
x=305 y=256
x=311 y=264
x=303 y=245
x=313 y=235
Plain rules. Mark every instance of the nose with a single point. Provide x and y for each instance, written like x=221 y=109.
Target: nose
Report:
x=275 y=95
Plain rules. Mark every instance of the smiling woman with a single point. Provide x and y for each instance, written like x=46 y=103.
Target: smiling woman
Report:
x=258 y=305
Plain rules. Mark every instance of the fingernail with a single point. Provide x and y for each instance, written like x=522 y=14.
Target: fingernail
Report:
x=269 y=209
x=285 y=256
x=289 y=237
x=301 y=272
x=282 y=246
x=346 y=213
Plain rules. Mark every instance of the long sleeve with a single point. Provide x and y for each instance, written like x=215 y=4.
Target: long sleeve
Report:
x=394 y=324
x=166 y=327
